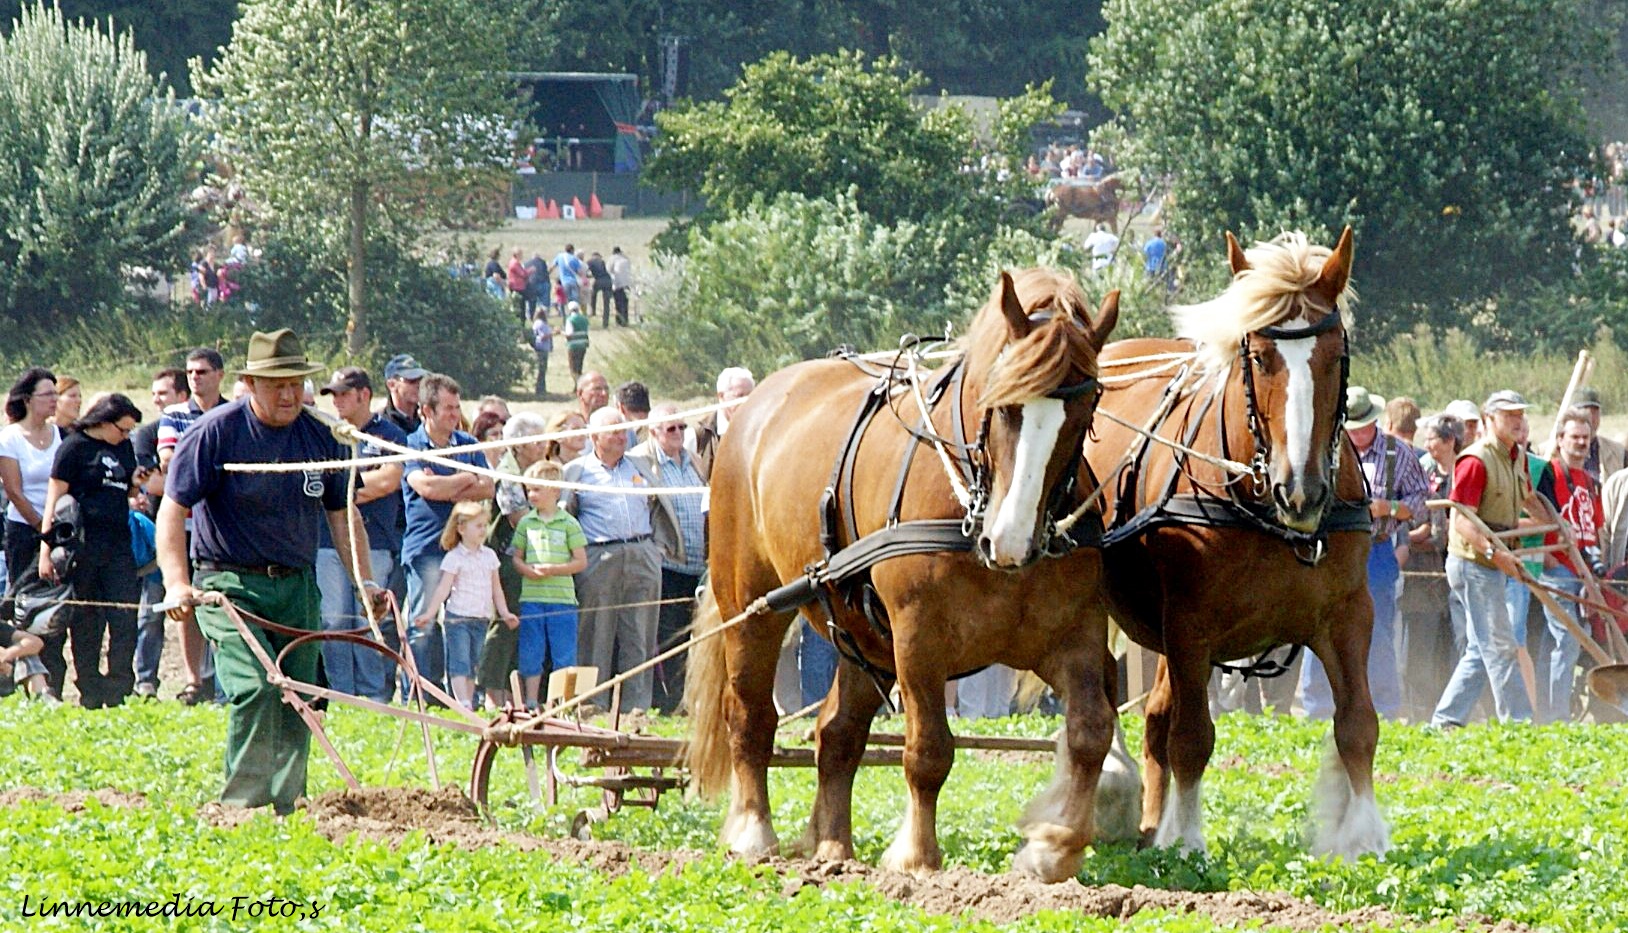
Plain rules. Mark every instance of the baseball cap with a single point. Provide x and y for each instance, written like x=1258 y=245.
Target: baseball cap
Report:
x=1586 y=397
x=1463 y=409
x=1362 y=408
x=1505 y=400
x=343 y=380
x=403 y=366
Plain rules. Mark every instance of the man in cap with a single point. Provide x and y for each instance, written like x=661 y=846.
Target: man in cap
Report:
x=1605 y=456
x=254 y=542
x=402 y=376
x=1468 y=412
x=1491 y=479
x=1397 y=489
x=352 y=668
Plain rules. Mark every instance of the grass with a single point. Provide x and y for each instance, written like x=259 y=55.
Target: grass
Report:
x=1513 y=823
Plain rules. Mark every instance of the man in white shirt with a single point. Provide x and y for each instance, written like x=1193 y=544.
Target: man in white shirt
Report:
x=1102 y=244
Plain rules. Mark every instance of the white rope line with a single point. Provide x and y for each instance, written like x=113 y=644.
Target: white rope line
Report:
x=405 y=454
x=1150 y=358
x=1142 y=373
x=1230 y=466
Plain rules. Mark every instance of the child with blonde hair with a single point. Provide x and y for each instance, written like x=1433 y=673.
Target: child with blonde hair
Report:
x=549 y=547
x=470 y=590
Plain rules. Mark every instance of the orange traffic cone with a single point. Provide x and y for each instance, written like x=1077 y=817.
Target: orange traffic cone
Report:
x=577 y=210
x=594 y=207
x=553 y=210
x=542 y=209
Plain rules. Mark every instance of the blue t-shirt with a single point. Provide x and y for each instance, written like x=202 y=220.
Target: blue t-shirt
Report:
x=425 y=517
x=1155 y=253
x=570 y=268
x=255 y=518
x=380 y=516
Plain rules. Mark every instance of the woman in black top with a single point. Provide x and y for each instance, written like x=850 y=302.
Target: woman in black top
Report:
x=95 y=465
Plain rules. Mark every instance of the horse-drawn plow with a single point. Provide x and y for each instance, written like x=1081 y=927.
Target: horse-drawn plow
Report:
x=629 y=768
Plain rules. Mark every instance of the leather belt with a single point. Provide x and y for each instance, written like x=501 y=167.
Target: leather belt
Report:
x=633 y=540
x=274 y=571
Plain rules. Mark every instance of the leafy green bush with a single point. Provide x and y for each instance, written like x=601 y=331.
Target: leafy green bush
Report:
x=450 y=324
x=95 y=158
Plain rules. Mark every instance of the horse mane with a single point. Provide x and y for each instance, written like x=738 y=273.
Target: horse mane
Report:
x=1042 y=361
x=1276 y=283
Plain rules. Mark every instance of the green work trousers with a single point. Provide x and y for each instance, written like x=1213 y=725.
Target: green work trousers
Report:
x=267 y=743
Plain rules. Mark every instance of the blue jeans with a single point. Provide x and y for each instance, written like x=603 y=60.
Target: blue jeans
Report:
x=464 y=637
x=427 y=646
x=1384 y=681
x=548 y=638
x=351 y=668
x=1489 y=650
x=149 y=633
x=1517 y=600
x=1555 y=698
x=816 y=663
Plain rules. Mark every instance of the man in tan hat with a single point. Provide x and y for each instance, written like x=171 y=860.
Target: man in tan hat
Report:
x=1490 y=478
x=1605 y=456
x=254 y=542
x=1397 y=489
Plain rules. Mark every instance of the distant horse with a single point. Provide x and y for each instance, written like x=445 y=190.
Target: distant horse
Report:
x=1207 y=564
x=989 y=471
x=1093 y=202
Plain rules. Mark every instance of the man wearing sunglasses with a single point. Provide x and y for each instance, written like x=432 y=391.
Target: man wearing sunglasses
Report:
x=664 y=457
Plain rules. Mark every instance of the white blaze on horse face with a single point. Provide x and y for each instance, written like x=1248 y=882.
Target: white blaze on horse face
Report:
x=1300 y=409
x=1012 y=536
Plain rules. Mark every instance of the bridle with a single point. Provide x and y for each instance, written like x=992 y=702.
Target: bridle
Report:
x=968 y=466
x=1314 y=544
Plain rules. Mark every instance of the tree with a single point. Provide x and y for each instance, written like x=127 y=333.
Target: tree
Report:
x=169 y=31
x=96 y=163
x=1446 y=134
x=822 y=125
x=380 y=116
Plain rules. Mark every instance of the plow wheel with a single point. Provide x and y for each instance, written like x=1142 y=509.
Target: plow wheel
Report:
x=486 y=756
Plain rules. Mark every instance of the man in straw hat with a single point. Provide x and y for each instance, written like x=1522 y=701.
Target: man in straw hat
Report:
x=255 y=542
x=1397 y=490
x=1491 y=478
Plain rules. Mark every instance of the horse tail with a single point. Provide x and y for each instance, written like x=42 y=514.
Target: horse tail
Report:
x=706 y=679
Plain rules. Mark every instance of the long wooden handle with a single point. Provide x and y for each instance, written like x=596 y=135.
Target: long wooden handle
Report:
x=1579 y=373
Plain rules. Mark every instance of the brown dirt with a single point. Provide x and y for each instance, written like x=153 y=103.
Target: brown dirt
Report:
x=73 y=801
x=447 y=816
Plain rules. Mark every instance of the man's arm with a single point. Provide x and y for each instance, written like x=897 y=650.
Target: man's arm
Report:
x=453 y=488
x=341 y=525
x=171 y=539
x=378 y=483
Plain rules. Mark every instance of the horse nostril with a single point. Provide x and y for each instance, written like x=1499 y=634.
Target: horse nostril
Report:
x=986 y=548
x=1281 y=494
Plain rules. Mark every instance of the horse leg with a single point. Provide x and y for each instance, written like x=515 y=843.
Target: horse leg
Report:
x=1119 y=789
x=748 y=829
x=1156 y=751
x=1189 y=740
x=929 y=751
x=1058 y=823
x=839 y=743
x=1346 y=817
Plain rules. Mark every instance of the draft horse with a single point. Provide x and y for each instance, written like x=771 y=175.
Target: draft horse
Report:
x=1204 y=563
x=1098 y=201
x=959 y=477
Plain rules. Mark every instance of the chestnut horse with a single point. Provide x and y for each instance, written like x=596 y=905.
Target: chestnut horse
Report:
x=1015 y=593
x=1093 y=202
x=1208 y=562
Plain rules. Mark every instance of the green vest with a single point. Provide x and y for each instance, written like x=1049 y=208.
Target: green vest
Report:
x=1500 y=506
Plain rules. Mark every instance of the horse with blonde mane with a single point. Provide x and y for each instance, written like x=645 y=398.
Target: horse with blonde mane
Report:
x=959 y=476
x=1243 y=526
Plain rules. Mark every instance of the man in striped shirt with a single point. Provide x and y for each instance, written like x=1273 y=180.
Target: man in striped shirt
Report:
x=664 y=456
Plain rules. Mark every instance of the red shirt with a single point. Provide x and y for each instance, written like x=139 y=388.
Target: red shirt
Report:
x=1580 y=508
x=518 y=276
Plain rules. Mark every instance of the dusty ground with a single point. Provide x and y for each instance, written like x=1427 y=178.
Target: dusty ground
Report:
x=447 y=816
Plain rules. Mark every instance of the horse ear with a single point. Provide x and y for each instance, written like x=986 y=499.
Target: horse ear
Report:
x=1235 y=255
x=1107 y=317
x=1016 y=320
x=1336 y=270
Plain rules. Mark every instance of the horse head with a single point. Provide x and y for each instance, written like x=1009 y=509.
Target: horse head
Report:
x=1281 y=323
x=1031 y=373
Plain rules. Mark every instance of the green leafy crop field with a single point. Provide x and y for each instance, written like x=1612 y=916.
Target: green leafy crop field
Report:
x=1492 y=827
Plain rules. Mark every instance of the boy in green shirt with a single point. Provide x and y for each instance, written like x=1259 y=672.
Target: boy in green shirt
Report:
x=549 y=547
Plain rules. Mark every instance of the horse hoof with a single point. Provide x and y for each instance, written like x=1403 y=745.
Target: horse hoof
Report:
x=754 y=839
x=908 y=861
x=833 y=851
x=1048 y=863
